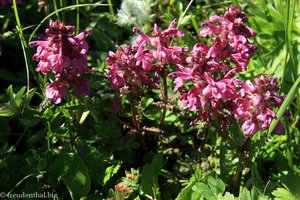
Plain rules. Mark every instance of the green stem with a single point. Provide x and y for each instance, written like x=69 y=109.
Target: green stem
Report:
x=55 y=8
x=77 y=18
x=183 y=14
x=111 y=10
x=23 y=179
x=62 y=9
x=243 y=158
x=18 y=22
x=23 y=43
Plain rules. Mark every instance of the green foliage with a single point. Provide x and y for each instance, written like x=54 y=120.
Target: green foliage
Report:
x=149 y=176
x=81 y=149
x=110 y=171
x=76 y=178
x=214 y=188
x=283 y=194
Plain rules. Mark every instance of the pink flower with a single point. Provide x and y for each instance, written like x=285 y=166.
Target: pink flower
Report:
x=224 y=89
x=160 y=42
x=181 y=76
x=206 y=84
x=130 y=68
x=250 y=127
x=231 y=37
x=64 y=55
x=256 y=102
x=191 y=100
x=56 y=91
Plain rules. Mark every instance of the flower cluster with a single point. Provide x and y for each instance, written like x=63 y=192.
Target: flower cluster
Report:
x=215 y=94
x=133 y=67
x=122 y=190
x=65 y=56
x=255 y=105
x=231 y=38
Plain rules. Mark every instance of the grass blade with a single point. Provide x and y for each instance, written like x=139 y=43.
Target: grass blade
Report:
x=288 y=100
x=62 y=9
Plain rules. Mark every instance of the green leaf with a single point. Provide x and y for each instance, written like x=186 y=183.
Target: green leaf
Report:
x=84 y=116
x=198 y=174
x=110 y=171
x=149 y=102
x=204 y=190
x=19 y=95
x=187 y=192
x=185 y=19
x=283 y=194
x=77 y=179
x=29 y=121
x=31 y=92
x=7 y=110
x=149 y=176
x=228 y=196
x=11 y=95
x=216 y=185
x=36 y=137
x=245 y=194
x=292 y=183
x=288 y=100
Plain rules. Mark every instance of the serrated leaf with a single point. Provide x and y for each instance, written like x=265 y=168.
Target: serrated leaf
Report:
x=77 y=179
x=110 y=171
x=149 y=176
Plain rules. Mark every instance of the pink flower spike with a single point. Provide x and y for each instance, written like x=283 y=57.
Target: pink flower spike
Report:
x=64 y=55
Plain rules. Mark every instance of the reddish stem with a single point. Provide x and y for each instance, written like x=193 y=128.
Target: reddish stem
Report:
x=133 y=115
x=165 y=99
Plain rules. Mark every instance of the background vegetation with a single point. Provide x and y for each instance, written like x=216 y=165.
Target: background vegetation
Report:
x=80 y=149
